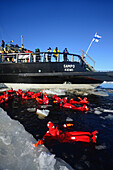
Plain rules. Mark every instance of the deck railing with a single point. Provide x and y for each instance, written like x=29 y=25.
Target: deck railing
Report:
x=42 y=57
x=38 y=57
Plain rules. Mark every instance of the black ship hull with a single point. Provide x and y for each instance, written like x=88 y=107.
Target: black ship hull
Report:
x=51 y=73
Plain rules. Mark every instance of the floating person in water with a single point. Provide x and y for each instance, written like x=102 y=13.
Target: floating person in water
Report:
x=65 y=54
x=55 y=134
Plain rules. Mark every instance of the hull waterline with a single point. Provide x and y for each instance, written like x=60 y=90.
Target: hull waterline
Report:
x=25 y=86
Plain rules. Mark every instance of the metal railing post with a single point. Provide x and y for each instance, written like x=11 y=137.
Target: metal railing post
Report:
x=46 y=57
x=30 y=57
x=43 y=57
x=58 y=58
x=72 y=58
x=16 y=58
x=34 y=58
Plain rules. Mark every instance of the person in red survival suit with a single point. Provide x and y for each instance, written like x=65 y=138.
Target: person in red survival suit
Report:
x=66 y=137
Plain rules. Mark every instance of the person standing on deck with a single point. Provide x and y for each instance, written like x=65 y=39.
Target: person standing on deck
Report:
x=65 y=54
x=56 y=55
x=3 y=44
x=49 y=54
x=38 y=57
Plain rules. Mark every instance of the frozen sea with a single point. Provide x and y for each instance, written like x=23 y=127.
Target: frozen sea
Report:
x=21 y=127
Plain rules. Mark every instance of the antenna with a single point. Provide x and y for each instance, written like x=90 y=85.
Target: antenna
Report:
x=22 y=41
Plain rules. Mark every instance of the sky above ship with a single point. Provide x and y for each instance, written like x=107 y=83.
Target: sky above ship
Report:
x=61 y=23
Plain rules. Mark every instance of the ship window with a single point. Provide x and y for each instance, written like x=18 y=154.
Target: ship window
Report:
x=39 y=71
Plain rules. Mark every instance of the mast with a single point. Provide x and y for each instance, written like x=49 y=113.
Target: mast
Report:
x=89 y=47
x=22 y=41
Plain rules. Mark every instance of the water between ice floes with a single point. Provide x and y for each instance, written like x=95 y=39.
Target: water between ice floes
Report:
x=17 y=141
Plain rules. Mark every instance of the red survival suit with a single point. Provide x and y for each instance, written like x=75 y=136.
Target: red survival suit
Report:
x=66 y=137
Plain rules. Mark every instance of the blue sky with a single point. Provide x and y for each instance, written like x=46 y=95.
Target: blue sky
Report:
x=61 y=23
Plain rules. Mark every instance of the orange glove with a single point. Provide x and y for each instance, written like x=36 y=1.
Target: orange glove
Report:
x=40 y=142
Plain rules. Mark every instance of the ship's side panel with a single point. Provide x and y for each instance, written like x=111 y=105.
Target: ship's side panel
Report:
x=44 y=67
x=50 y=73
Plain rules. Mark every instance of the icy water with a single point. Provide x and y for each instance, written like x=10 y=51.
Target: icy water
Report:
x=99 y=117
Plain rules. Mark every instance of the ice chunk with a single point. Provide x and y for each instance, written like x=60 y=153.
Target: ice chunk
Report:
x=100 y=147
x=109 y=116
x=107 y=110
x=46 y=160
x=69 y=119
x=17 y=149
x=42 y=112
x=31 y=109
x=45 y=106
x=97 y=112
x=99 y=93
x=59 y=92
